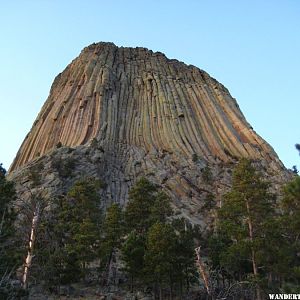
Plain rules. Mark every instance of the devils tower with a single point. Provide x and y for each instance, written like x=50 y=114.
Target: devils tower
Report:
x=121 y=113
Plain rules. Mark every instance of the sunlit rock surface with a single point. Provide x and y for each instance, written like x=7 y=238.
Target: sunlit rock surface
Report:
x=120 y=113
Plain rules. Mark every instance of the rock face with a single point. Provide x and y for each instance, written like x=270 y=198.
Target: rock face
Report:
x=120 y=113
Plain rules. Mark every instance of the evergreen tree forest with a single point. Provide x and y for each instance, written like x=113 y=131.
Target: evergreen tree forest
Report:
x=77 y=238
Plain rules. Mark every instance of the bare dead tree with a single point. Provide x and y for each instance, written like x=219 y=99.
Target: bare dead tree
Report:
x=30 y=212
x=28 y=260
x=202 y=270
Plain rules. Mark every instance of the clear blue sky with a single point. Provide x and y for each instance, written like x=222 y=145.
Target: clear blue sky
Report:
x=252 y=47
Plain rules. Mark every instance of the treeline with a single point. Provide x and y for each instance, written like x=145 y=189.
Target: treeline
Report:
x=75 y=241
x=255 y=246
x=69 y=239
x=10 y=257
x=253 y=249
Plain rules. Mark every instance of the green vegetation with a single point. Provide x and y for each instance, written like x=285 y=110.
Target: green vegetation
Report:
x=9 y=246
x=255 y=243
x=160 y=255
x=209 y=203
x=195 y=157
x=290 y=229
x=243 y=221
x=133 y=252
x=7 y=263
x=207 y=175
x=253 y=249
x=64 y=167
x=34 y=174
x=156 y=251
x=59 y=145
x=113 y=228
x=69 y=237
x=74 y=236
x=138 y=211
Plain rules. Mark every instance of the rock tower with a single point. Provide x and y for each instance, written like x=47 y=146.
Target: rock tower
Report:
x=121 y=113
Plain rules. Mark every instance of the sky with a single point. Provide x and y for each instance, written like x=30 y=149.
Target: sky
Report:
x=252 y=47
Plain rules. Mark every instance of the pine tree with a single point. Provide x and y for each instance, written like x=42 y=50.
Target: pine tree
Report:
x=113 y=226
x=155 y=251
x=298 y=147
x=290 y=229
x=184 y=263
x=291 y=207
x=147 y=205
x=8 y=247
x=112 y=232
x=133 y=251
x=138 y=210
x=7 y=218
x=160 y=255
x=243 y=219
x=160 y=209
x=54 y=263
x=82 y=217
x=69 y=236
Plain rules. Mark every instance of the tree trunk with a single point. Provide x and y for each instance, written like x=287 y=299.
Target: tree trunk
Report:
x=155 y=287
x=28 y=261
x=108 y=269
x=160 y=292
x=270 y=279
x=202 y=271
x=187 y=280
x=131 y=283
x=171 y=288
x=253 y=254
x=180 y=287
